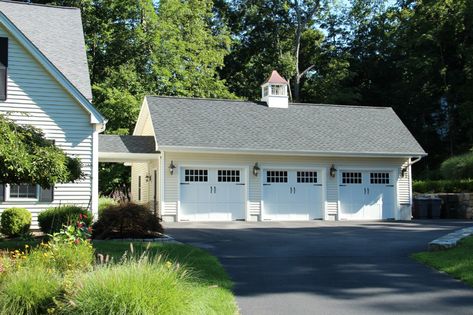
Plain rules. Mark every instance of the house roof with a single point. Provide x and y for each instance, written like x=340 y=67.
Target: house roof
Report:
x=275 y=78
x=57 y=33
x=228 y=125
x=126 y=144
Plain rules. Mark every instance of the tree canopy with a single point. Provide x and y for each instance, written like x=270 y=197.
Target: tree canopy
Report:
x=413 y=55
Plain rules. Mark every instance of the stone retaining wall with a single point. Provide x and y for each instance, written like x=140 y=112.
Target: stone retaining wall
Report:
x=455 y=205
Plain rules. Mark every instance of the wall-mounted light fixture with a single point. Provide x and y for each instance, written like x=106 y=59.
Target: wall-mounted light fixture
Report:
x=403 y=171
x=148 y=177
x=256 y=169
x=172 y=167
x=333 y=171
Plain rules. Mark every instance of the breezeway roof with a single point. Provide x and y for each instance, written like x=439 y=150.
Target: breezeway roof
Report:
x=211 y=124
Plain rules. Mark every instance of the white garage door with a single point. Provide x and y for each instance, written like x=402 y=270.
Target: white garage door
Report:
x=212 y=194
x=292 y=195
x=366 y=195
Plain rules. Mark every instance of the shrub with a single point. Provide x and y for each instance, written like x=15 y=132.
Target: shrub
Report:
x=15 y=221
x=104 y=203
x=52 y=220
x=29 y=291
x=442 y=186
x=133 y=287
x=127 y=220
x=458 y=167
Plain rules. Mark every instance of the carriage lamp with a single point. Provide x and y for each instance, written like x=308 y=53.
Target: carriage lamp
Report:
x=333 y=171
x=403 y=171
x=256 y=169
x=172 y=167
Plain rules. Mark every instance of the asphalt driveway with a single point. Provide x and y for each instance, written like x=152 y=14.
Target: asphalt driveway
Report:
x=331 y=267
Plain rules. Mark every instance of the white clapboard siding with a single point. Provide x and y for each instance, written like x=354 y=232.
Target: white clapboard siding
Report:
x=36 y=98
x=171 y=187
x=137 y=170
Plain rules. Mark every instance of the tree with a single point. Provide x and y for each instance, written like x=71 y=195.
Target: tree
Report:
x=26 y=156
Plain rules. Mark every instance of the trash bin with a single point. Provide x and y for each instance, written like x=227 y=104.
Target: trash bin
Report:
x=427 y=208
x=421 y=208
x=435 y=208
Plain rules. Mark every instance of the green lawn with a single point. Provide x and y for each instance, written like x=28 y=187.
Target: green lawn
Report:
x=205 y=268
x=458 y=261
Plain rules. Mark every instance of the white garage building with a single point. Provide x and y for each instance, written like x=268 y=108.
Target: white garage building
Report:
x=220 y=160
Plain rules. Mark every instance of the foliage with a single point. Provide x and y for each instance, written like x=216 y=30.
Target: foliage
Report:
x=127 y=220
x=458 y=167
x=15 y=221
x=442 y=186
x=457 y=261
x=52 y=220
x=74 y=233
x=61 y=257
x=29 y=291
x=26 y=156
x=151 y=284
x=104 y=203
x=114 y=177
x=188 y=280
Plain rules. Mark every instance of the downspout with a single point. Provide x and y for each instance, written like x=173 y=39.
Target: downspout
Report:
x=410 y=163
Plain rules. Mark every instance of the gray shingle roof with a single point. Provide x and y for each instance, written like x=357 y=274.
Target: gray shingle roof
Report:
x=126 y=144
x=311 y=128
x=57 y=33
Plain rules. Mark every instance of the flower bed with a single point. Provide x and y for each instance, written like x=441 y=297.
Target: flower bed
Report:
x=65 y=275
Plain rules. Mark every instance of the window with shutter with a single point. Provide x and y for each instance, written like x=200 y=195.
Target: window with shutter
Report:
x=3 y=67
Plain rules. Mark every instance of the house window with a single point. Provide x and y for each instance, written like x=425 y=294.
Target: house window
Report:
x=191 y=175
x=351 y=177
x=139 y=188
x=379 y=178
x=23 y=191
x=276 y=176
x=229 y=176
x=265 y=91
x=307 y=177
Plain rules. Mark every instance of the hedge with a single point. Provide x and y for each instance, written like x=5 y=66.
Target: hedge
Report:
x=442 y=186
x=53 y=219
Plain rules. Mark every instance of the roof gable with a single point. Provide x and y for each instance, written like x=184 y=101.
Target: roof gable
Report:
x=57 y=33
x=96 y=117
x=302 y=128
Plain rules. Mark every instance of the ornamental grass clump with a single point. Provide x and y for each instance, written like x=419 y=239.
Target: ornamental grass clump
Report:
x=133 y=287
x=29 y=291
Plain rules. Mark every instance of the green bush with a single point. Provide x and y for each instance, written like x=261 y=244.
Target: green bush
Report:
x=134 y=287
x=458 y=167
x=53 y=219
x=29 y=291
x=127 y=220
x=15 y=221
x=442 y=186
x=104 y=203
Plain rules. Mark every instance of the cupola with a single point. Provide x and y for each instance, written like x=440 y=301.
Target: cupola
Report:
x=274 y=91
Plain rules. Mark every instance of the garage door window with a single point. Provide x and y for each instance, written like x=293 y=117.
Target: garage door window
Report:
x=307 y=177
x=276 y=176
x=379 y=178
x=351 y=177
x=229 y=176
x=196 y=175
